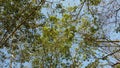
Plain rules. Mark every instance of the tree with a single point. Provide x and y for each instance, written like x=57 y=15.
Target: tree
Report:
x=18 y=23
x=109 y=17
x=49 y=39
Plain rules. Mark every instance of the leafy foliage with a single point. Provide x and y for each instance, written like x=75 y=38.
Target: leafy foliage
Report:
x=46 y=39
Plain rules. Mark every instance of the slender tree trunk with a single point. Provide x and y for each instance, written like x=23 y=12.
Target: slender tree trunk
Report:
x=10 y=62
x=11 y=56
x=21 y=57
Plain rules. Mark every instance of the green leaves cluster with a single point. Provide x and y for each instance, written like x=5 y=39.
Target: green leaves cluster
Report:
x=46 y=41
x=92 y=2
x=95 y=2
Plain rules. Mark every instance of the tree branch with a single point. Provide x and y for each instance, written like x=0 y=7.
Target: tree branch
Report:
x=11 y=34
x=109 y=41
x=110 y=54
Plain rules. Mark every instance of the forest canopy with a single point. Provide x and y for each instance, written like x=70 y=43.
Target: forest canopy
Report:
x=59 y=33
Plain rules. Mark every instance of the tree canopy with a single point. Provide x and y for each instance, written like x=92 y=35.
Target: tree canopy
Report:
x=56 y=34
